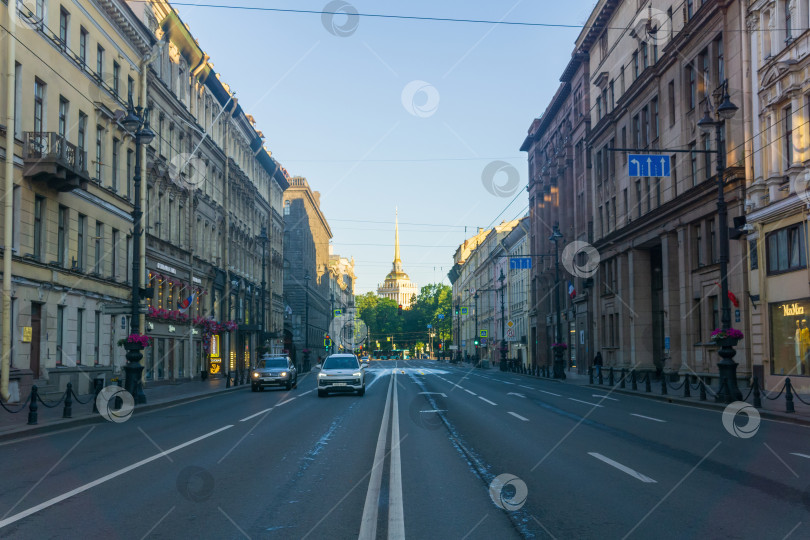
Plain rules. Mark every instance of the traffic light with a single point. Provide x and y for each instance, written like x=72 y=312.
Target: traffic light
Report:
x=440 y=346
x=327 y=342
x=476 y=342
x=400 y=309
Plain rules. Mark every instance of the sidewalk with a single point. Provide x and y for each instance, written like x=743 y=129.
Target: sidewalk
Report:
x=774 y=408
x=157 y=396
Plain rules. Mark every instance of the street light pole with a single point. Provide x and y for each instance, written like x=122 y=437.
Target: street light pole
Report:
x=458 y=331
x=559 y=370
x=475 y=330
x=136 y=121
x=727 y=367
x=503 y=325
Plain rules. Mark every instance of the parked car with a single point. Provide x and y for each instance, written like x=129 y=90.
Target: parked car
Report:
x=341 y=373
x=365 y=359
x=274 y=371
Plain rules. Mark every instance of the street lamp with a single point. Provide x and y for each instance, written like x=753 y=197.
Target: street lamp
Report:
x=306 y=325
x=727 y=368
x=458 y=332
x=475 y=330
x=263 y=239
x=503 y=326
x=136 y=122
x=559 y=370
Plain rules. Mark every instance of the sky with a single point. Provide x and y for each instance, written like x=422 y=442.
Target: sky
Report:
x=381 y=114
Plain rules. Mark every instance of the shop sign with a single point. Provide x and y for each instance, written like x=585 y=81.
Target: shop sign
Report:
x=196 y=280
x=165 y=268
x=27 y=334
x=792 y=310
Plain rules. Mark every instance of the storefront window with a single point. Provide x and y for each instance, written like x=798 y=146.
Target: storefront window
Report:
x=790 y=337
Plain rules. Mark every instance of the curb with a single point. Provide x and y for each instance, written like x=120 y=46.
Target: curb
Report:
x=94 y=418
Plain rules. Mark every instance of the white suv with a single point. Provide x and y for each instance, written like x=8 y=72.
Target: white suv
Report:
x=341 y=373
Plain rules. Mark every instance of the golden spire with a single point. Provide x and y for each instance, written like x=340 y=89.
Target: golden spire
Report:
x=396 y=238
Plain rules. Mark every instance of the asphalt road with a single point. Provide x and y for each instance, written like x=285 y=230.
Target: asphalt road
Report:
x=431 y=451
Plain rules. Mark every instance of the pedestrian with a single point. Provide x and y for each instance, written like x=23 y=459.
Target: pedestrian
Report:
x=597 y=365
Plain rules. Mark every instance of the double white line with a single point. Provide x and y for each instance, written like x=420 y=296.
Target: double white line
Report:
x=396 y=518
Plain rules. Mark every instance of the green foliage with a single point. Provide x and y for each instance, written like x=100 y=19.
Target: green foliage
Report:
x=410 y=328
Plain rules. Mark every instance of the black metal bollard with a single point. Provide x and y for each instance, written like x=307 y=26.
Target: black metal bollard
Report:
x=789 y=396
x=67 y=412
x=624 y=376
x=32 y=409
x=633 y=381
x=663 y=383
x=98 y=384
x=227 y=380
x=601 y=377
x=687 y=391
x=757 y=395
x=647 y=383
x=702 y=390
x=611 y=379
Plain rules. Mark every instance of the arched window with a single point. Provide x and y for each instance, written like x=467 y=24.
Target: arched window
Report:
x=287 y=208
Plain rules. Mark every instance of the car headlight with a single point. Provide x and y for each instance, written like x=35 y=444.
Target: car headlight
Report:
x=283 y=373
x=321 y=375
x=255 y=374
x=358 y=374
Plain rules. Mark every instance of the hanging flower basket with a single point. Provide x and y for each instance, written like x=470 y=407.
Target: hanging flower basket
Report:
x=134 y=342
x=727 y=337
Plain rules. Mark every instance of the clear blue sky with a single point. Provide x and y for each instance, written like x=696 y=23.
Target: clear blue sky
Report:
x=332 y=110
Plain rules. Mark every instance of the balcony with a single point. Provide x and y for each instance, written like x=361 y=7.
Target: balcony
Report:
x=49 y=158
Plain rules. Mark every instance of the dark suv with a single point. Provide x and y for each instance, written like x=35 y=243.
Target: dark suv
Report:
x=274 y=371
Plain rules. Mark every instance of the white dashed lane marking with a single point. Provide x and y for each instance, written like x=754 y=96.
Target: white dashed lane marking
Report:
x=516 y=415
x=647 y=417
x=627 y=470
x=488 y=401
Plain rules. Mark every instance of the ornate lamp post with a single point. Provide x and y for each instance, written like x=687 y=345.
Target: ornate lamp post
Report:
x=136 y=122
x=559 y=369
x=727 y=368
x=503 y=325
x=263 y=239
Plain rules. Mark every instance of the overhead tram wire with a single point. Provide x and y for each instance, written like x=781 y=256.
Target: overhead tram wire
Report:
x=427 y=19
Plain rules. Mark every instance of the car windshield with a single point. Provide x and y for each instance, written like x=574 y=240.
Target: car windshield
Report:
x=340 y=362
x=273 y=363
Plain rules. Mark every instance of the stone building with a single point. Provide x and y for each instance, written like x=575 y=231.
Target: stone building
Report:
x=67 y=256
x=777 y=191
x=657 y=297
x=306 y=273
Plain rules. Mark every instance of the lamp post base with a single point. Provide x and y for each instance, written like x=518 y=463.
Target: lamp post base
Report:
x=559 y=364
x=133 y=370
x=727 y=369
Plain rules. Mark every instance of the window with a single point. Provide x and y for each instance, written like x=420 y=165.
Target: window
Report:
x=714 y=305
x=624 y=143
x=99 y=152
x=99 y=62
x=62 y=227
x=693 y=158
x=83 y=46
x=786 y=249
x=645 y=122
x=788 y=22
x=705 y=84
x=287 y=208
x=97 y=348
x=644 y=55
x=39 y=223
x=116 y=237
x=115 y=149
x=671 y=98
x=787 y=139
x=635 y=65
x=698 y=244
x=39 y=106
x=603 y=44
x=18 y=100
x=81 y=141
x=621 y=79
x=753 y=254
x=637 y=131
x=612 y=96
x=40 y=10
x=64 y=19
x=79 y=334
x=81 y=242
x=63 y=113
x=128 y=178
x=130 y=86
x=712 y=242
x=60 y=330
x=99 y=242
x=690 y=8
x=654 y=109
x=692 y=88
x=721 y=63
x=626 y=205
x=707 y=157
x=116 y=79
x=598 y=107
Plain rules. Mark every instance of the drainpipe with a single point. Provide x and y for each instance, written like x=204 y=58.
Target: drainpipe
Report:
x=8 y=207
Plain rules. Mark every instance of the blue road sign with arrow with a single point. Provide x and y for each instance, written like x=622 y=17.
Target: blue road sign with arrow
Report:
x=518 y=263
x=649 y=165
